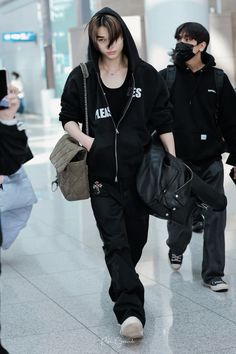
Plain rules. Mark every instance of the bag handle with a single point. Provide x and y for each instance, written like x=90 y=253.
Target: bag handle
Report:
x=85 y=73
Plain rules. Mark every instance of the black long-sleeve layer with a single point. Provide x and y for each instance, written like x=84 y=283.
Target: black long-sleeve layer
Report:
x=119 y=144
x=198 y=132
x=14 y=150
x=148 y=109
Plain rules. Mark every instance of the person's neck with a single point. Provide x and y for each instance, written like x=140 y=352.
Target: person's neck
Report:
x=113 y=66
x=195 y=63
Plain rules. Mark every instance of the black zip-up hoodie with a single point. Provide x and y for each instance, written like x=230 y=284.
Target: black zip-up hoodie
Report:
x=197 y=131
x=118 y=149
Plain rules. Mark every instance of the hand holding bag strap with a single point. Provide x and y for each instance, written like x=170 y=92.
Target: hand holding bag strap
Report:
x=85 y=73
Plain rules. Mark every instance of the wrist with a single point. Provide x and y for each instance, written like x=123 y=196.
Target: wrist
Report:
x=83 y=140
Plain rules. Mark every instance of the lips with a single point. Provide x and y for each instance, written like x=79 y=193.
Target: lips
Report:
x=111 y=53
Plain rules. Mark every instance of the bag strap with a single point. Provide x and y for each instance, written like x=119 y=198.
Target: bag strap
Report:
x=218 y=75
x=170 y=76
x=85 y=73
x=219 y=80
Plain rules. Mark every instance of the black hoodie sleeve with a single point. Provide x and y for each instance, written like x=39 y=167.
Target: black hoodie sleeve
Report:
x=71 y=99
x=161 y=116
x=227 y=119
x=14 y=150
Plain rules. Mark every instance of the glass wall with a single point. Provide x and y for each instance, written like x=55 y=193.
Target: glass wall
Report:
x=63 y=17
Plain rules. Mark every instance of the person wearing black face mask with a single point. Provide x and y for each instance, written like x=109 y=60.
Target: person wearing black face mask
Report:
x=182 y=53
x=204 y=120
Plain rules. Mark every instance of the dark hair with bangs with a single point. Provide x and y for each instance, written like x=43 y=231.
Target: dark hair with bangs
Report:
x=112 y=25
x=193 y=30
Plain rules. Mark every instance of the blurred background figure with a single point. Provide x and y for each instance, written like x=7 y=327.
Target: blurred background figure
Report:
x=17 y=82
x=16 y=195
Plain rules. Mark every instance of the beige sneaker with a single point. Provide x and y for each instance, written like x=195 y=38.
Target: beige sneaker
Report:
x=132 y=328
x=175 y=260
x=217 y=284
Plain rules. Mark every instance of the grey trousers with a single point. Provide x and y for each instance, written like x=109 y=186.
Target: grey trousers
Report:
x=213 y=262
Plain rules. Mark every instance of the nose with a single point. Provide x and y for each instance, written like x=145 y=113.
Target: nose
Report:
x=111 y=46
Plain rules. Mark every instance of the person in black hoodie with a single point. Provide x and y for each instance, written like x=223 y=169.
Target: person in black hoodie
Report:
x=127 y=101
x=204 y=120
x=9 y=142
x=14 y=149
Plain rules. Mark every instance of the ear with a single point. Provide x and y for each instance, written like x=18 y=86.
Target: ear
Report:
x=202 y=46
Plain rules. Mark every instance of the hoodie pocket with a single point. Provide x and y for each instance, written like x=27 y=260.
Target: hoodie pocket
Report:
x=101 y=157
x=92 y=147
x=130 y=153
x=197 y=146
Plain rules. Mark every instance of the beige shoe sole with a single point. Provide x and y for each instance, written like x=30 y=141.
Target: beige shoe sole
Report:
x=175 y=266
x=217 y=288
x=132 y=328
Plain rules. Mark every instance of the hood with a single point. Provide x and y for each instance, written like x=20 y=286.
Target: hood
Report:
x=129 y=44
x=208 y=59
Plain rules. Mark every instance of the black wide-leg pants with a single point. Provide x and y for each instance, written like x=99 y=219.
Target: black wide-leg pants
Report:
x=122 y=221
x=213 y=261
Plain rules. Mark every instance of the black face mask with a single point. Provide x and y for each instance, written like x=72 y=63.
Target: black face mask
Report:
x=182 y=53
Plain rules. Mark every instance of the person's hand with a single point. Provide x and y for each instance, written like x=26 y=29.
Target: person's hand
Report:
x=89 y=143
x=12 y=97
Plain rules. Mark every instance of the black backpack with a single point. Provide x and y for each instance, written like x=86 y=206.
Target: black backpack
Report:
x=219 y=81
x=218 y=73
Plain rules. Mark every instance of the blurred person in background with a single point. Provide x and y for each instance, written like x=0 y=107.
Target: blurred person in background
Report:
x=17 y=82
x=204 y=121
x=2 y=349
x=13 y=139
x=15 y=187
x=16 y=194
x=5 y=116
x=127 y=100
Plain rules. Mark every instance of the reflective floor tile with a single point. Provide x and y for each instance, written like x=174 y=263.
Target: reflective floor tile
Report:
x=31 y=318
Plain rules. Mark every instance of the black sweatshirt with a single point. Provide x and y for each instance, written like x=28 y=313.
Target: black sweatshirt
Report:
x=198 y=134
x=14 y=149
x=118 y=148
x=117 y=98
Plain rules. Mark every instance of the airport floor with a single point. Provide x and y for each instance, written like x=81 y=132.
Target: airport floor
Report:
x=54 y=280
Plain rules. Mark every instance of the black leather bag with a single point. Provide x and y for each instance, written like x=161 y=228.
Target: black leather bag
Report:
x=164 y=184
x=170 y=189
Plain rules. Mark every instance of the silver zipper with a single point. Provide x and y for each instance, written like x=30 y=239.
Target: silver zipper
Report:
x=122 y=117
x=128 y=104
x=116 y=157
x=105 y=99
